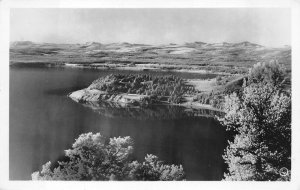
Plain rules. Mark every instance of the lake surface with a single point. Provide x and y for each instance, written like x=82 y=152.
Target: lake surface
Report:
x=44 y=122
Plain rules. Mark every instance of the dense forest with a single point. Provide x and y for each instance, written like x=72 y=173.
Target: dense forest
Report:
x=157 y=88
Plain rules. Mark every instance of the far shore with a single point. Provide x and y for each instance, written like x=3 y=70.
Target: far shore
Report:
x=151 y=67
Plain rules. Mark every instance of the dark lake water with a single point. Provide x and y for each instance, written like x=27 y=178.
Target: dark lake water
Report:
x=44 y=122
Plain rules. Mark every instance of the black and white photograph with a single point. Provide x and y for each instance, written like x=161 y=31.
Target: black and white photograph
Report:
x=200 y=94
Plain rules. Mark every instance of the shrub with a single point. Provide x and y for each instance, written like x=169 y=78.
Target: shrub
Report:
x=218 y=80
x=271 y=72
x=92 y=157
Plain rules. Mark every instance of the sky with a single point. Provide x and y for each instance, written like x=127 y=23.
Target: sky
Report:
x=264 y=26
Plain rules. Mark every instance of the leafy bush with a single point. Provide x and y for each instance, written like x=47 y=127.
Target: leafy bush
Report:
x=261 y=120
x=218 y=80
x=270 y=72
x=154 y=170
x=215 y=99
x=92 y=157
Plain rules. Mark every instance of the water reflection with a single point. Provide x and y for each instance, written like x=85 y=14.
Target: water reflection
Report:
x=150 y=112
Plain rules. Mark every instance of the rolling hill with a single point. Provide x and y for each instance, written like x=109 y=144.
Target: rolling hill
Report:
x=231 y=58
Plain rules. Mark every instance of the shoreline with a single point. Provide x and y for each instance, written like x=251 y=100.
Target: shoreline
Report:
x=119 y=67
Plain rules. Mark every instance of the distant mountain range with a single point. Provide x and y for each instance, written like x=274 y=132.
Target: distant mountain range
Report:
x=196 y=56
x=97 y=44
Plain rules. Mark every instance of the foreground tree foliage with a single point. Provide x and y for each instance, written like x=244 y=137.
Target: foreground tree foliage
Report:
x=93 y=157
x=260 y=117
